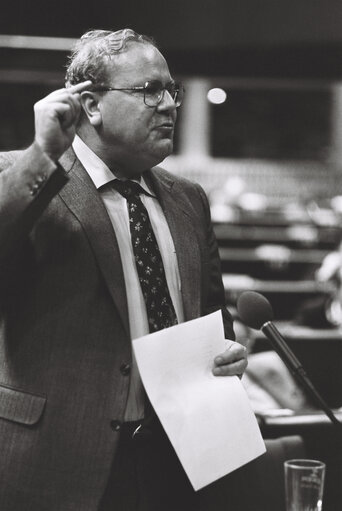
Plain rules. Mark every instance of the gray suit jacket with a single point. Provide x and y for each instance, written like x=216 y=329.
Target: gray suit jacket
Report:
x=64 y=335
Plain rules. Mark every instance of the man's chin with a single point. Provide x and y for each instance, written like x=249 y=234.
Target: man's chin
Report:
x=167 y=146
x=164 y=149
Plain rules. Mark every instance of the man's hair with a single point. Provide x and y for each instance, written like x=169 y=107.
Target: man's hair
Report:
x=93 y=51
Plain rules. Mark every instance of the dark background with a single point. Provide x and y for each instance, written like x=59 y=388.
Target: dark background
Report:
x=280 y=38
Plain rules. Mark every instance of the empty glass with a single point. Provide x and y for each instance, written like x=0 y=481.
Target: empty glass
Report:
x=304 y=484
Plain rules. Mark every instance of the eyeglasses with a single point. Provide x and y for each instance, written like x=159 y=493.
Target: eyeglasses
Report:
x=153 y=91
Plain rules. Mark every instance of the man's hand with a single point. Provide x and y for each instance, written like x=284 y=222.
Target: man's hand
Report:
x=231 y=362
x=56 y=117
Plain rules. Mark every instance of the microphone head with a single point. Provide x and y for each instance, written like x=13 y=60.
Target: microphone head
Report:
x=254 y=309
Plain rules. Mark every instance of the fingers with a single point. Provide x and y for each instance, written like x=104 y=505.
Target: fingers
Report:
x=56 y=117
x=67 y=92
x=67 y=112
x=69 y=95
x=231 y=362
x=80 y=87
x=63 y=104
x=55 y=105
x=74 y=95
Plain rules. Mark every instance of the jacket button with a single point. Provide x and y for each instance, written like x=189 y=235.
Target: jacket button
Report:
x=34 y=189
x=41 y=179
x=115 y=425
x=125 y=369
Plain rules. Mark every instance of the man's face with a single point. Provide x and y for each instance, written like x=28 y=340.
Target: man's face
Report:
x=135 y=137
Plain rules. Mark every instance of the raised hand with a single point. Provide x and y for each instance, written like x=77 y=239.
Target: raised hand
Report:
x=56 y=118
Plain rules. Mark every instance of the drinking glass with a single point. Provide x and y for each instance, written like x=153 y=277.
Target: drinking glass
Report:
x=304 y=484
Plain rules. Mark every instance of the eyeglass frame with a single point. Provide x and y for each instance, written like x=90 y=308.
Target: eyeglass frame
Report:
x=178 y=86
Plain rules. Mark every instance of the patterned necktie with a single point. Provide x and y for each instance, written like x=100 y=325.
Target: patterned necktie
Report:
x=159 y=307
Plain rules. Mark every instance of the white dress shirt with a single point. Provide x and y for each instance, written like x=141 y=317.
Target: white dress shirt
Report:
x=116 y=206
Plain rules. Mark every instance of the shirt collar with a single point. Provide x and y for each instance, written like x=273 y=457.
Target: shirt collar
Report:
x=98 y=171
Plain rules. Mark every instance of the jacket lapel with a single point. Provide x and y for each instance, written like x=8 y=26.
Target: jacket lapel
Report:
x=176 y=208
x=83 y=200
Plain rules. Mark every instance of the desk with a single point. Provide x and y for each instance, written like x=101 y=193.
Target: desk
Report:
x=234 y=284
x=303 y=256
x=273 y=426
x=285 y=295
x=291 y=235
x=271 y=262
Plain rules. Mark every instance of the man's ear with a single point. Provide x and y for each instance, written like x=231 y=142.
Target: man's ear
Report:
x=90 y=105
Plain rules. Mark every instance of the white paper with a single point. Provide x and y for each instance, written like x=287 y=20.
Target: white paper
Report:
x=207 y=418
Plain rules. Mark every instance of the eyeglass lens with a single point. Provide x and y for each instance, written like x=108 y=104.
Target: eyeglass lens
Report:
x=154 y=92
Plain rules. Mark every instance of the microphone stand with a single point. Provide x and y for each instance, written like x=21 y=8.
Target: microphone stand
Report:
x=296 y=368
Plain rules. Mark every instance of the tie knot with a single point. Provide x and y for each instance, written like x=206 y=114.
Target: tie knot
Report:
x=127 y=188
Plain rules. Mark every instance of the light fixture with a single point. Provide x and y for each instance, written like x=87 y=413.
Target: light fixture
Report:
x=217 y=96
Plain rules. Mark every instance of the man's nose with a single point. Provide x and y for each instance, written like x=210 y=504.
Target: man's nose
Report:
x=167 y=102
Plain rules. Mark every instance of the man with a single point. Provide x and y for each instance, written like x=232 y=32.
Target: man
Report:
x=76 y=429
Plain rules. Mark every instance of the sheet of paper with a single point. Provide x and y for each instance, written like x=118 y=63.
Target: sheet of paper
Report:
x=207 y=418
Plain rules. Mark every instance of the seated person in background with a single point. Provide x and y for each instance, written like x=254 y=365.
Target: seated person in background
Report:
x=325 y=311
x=271 y=386
x=267 y=381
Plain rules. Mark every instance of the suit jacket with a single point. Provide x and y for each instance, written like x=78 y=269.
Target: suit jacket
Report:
x=64 y=335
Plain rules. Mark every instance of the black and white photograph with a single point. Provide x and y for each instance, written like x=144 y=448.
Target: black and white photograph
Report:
x=171 y=255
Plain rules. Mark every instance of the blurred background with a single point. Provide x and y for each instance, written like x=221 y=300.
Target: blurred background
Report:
x=261 y=130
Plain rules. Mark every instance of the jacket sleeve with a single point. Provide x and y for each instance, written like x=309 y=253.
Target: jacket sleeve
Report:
x=216 y=295
x=28 y=182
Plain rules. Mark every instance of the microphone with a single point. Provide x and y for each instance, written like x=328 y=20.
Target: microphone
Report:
x=257 y=313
